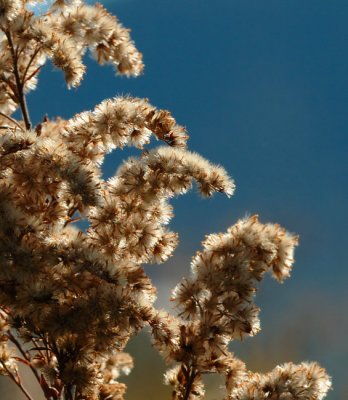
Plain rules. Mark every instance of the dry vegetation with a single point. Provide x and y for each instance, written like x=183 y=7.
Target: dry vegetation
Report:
x=71 y=300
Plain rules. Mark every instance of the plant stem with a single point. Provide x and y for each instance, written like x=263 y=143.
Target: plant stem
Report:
x=13 y=378
x=68 y=392
x=36 y=52
x=191 y=377
x=20 y=93
x=11 y=119
x=24 y=354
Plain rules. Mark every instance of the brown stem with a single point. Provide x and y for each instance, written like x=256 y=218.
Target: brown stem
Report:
x=36 y=52
x=13 y=339
x=199 y=305
x=11 y=119
x=24 y=354
x=69 y=392
x=191 y=377
x=13 y=378
x=34 y=73
x=70 y=214
x=20 y=92
x=45 y=342
x=69 y=221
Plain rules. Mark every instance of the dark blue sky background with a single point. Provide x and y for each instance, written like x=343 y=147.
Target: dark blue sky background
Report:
x=262 y=87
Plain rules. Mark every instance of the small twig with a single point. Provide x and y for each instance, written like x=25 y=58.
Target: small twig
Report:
x=70 y=214
x=24 y=354
x=12 y=95
x=11 y=119
x=191 y=377
x=76 y=394
x=69 y=392
x=13 y=378
x=36 y=52
x=20 y=92
x=72 y=211
x=45 y=342
x=69 y=221
x=19 y=51
x=199 y=305
x=38 y=348
x=34 y=73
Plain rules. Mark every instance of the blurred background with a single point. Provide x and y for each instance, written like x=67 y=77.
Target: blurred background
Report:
x=262 y=88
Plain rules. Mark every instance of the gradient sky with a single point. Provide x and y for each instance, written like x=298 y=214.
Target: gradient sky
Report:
x=262 y=87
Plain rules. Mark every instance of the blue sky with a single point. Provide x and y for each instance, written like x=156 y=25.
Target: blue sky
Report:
x=262 y=87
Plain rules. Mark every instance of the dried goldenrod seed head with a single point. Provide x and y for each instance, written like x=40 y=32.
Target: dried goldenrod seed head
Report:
x=9 y=9
x=71 y=298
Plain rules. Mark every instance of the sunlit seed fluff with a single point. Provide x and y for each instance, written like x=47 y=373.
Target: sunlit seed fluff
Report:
x=117 y=364
x=9 y=9
x=73 y=247
x=302 y=381
x=170 y=171
x=119 y=122
x=66 y=58
x=109 y=41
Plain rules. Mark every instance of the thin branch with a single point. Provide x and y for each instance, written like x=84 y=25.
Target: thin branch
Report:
x=36 y=52
x=34 y=73
x=70 y=214
x=199 y=305
x=20 y=50
x=69 y=392
x=13 y=378
x=76 y=394
x=13 y=88
x=69 y=221
x=191 y=377
x=27 y=358
x=24 y=354
x=11 y=119
x=45 y=342
x=20 y=92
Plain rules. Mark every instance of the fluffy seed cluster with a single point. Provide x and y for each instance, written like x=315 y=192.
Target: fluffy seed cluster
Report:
x=70 y=299
x=287 y=381
x=216 y=306
x=63 y=34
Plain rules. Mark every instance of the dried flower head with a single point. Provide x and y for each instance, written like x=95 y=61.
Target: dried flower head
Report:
x=70 y=300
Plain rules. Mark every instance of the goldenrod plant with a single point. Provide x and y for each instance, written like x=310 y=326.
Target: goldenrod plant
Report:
x=71 y=299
